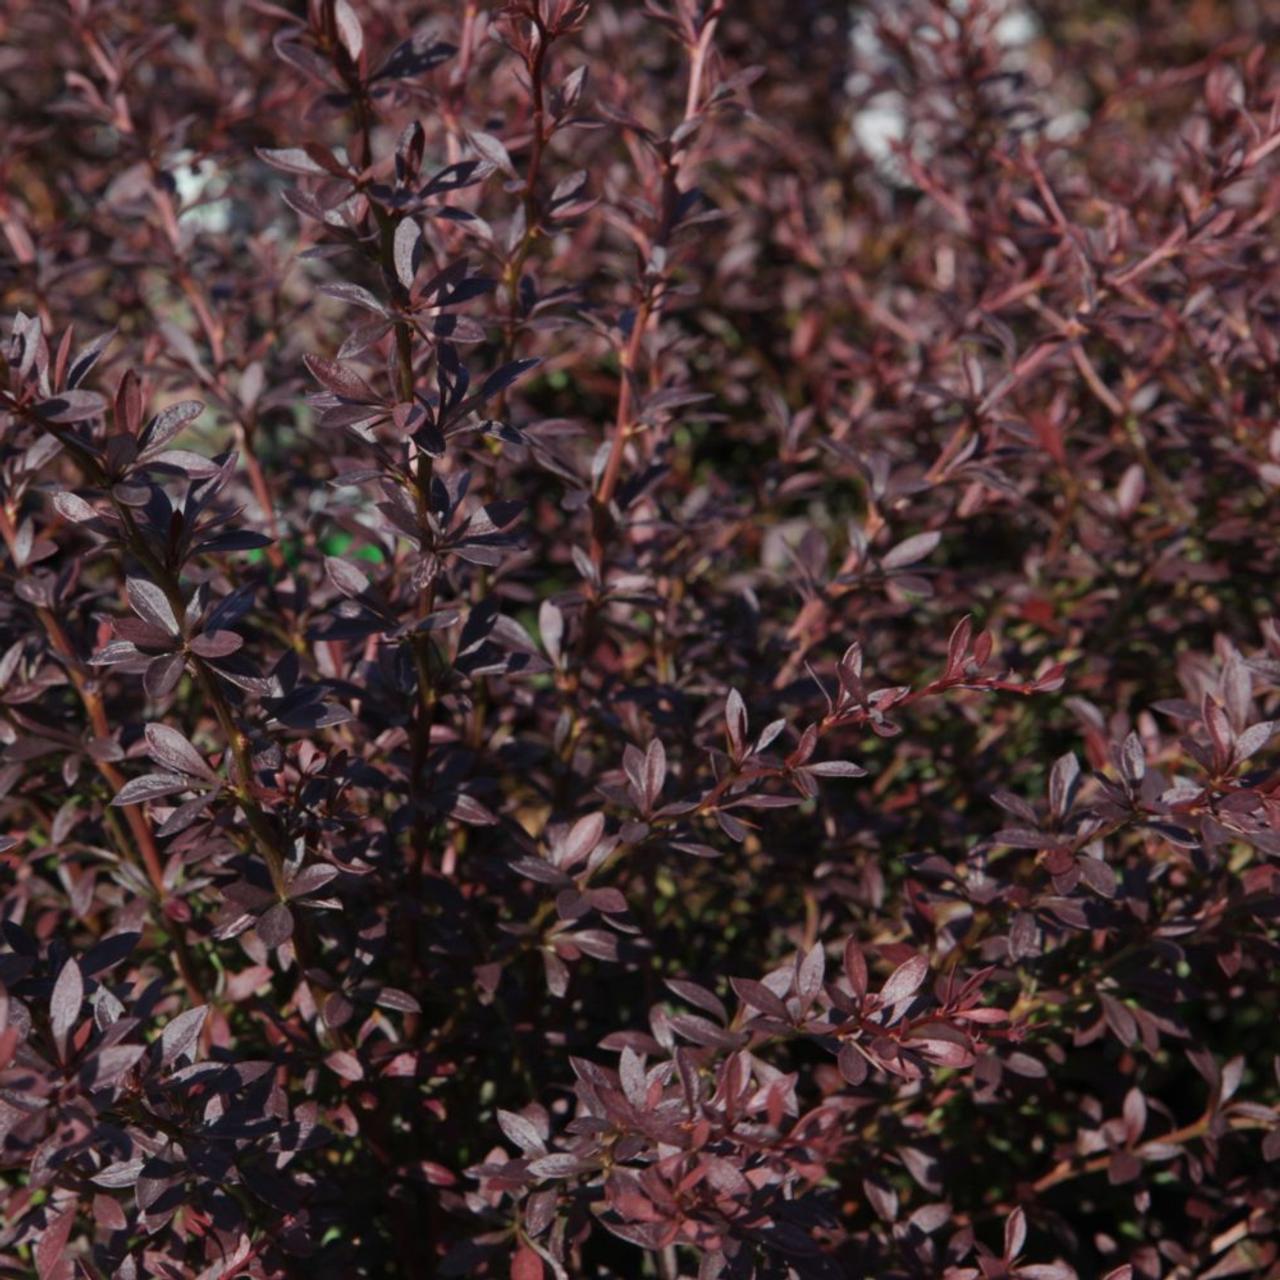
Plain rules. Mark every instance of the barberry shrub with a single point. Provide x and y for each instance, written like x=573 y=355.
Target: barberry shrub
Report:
x=635 y=639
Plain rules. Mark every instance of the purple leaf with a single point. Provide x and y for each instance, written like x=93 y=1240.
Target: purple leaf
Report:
x=151 y=604
x=408 y=251
x=583 y=837
x=836 y=769
x=346 y=577
x=910 y=550
x=492 y=150
x=181 y=1035
x=64 y=1005
x=72 y=508
x=350 y=32
x=905 y=980
x=521 y=1132
x=312 y=879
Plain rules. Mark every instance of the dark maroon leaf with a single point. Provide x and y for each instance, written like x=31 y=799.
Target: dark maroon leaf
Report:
x=344 y=1063
x=400 y=1001
x=72 y=406
x=216 y=644
x=275 y=926
x=167 y=424
x=340 y=379
x=162 y=675
x=311 y=879
x=758 y=996
x=73 y=508
x=151 y=786
x=502 y=378
x=169 y=748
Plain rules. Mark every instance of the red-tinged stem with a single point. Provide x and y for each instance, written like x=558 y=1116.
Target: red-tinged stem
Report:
x=621 y=432
x=262 y=492
x=237 y=740
x=1066 y=1170
x=421 y=644
x=623 y=421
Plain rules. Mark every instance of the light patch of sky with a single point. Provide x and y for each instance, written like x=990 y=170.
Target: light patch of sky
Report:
x=200 y=187
x=882 y=121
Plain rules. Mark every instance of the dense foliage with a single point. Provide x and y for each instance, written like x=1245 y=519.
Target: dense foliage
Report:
x=603 y=675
